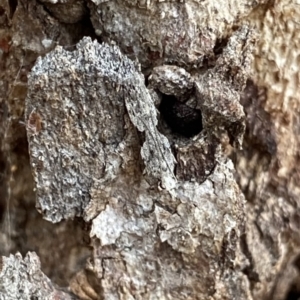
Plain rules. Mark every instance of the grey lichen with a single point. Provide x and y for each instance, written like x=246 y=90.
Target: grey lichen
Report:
x=76 y=128
x=21 y=278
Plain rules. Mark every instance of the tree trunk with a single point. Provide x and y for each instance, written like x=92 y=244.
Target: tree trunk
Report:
x=149 y=149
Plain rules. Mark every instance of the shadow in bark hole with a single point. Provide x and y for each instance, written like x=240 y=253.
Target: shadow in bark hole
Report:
x=293 y=294
x=181 y=118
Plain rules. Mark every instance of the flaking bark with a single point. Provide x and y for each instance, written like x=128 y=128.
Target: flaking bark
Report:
x=96 y=153
x=116 y=144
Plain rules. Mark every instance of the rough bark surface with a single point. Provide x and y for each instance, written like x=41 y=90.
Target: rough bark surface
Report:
x=22 y=279
x=164 y=151
x=96 y=153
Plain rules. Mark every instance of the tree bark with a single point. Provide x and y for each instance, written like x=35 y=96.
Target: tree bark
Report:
x=159 y=143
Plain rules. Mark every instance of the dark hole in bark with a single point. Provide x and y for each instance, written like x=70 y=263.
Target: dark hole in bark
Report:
x=78 y=30
x=181 y=118
x=12 y=7
x=293 y=294
x=294 y=289
x=297 y=262
x=2 y=11
x=220 y=45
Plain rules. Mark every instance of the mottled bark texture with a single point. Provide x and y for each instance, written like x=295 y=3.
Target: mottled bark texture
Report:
x=22 y=279
x=168 y=145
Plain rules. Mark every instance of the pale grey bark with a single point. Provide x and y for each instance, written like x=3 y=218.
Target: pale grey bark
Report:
x=22 y=279
x=84 y=110
x=110 y=141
